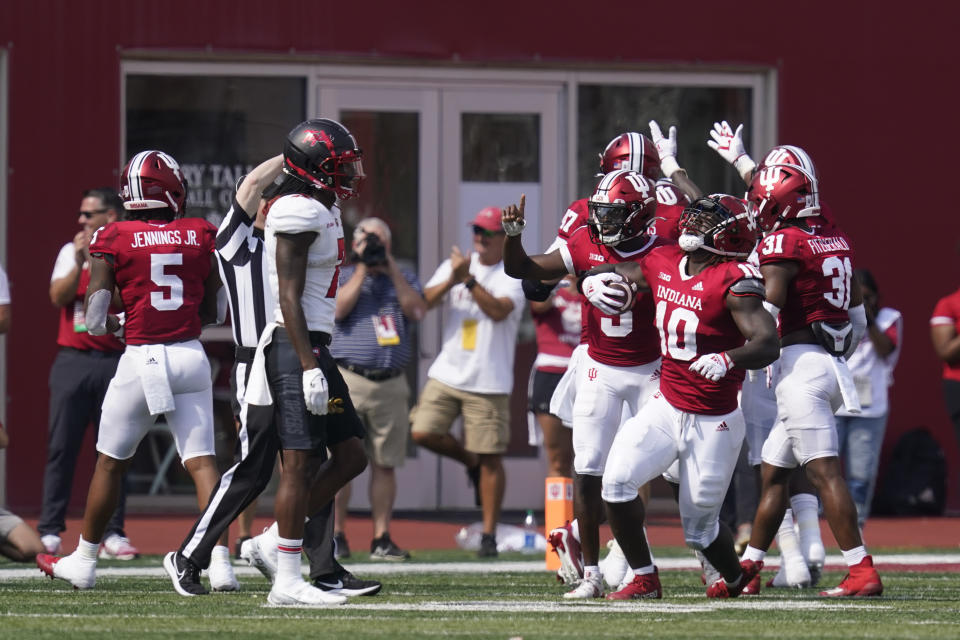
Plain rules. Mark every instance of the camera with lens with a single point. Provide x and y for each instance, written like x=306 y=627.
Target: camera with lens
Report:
x=374 y=252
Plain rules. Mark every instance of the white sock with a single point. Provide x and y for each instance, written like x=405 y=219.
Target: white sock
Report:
x=575 y=529
x=591 y=572
x=220 y=553
x=754 y=554
x=805 y=507
x=854 y=556
x=787 y=539
x=273 y=530
x=288 y=561
x=87 y=550
x=644 y=571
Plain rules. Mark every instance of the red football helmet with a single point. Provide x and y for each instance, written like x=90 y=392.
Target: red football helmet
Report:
x=788 y=154
x=721 y=224
x=783 y=192
x=325 y=155
x=670 y=193
x=633 y=152
x=623 y=207
x=152 y=180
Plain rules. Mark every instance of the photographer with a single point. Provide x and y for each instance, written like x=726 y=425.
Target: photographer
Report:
x=372 y=344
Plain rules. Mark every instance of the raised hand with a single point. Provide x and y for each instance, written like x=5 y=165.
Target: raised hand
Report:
x=512 y=217
x=666 y=148
x=729 y=144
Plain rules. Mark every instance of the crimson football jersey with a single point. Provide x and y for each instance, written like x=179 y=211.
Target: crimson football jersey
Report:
x=558 y=329
x=627 y=340
x=693 y=320
x=160 y=269
x=821 y=289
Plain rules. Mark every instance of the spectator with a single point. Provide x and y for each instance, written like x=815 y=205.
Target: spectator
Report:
x=945 y=335
x=557 y=320
x=861 y=435
x=372 y=345
x=18 y=541
x=79 y=378
x=473 y=373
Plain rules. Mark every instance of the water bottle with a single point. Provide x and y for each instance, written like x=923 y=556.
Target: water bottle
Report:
x=530 y=533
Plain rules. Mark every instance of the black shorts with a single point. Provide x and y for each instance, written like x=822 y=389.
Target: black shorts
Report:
x=298 y=428
x=543 y=385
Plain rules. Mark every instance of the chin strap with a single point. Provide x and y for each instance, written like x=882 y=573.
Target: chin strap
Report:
x=96 y=316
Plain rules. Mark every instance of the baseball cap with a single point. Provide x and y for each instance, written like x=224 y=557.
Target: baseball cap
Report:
x=488 y=218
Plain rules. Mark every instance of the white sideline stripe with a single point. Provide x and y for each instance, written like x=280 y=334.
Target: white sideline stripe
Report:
x=526 y=566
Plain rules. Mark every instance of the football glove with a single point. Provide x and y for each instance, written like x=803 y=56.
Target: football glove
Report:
x=729 y=144
x=316 y=393
x=666 y=148
x=712 y=366
x=603 y=297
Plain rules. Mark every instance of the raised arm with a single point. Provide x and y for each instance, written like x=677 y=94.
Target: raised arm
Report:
x=667 y=150
x=248 y=194
x=516 y=262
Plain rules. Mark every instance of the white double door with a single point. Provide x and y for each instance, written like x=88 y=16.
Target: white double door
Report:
x=434 y=157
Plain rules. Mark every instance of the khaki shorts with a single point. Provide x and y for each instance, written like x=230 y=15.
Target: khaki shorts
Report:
x=383 y=408
x=8 y=522
x=486 y=416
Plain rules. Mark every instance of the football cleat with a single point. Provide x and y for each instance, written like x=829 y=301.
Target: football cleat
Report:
x=184 y=574
x=862 y=580
x=261 y=552
x=220 y=572
x=567 y=549
x=589 y=587
x=82 y=574
x=749 y=569
x=615 y=566
x=793 y=573
x=303 y=594
x=117 y=547
x=641 y=587
x=709 y=574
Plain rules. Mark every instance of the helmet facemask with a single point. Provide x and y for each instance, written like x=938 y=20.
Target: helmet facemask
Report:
x=610 y=224
x=709 y=225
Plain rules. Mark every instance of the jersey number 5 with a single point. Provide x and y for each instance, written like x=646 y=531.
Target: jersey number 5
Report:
x=173 y=297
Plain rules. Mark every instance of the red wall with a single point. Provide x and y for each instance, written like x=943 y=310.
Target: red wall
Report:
x=866 y=88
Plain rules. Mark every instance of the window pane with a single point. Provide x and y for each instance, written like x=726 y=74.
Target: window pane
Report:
x=500 y=147
x=217 y=127
x=607 y=111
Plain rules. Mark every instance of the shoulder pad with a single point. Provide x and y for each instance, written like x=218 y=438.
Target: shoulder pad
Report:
x=748 y=287
x=295 y=213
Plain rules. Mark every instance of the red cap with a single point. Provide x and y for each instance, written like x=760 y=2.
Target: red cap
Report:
x=488 y=218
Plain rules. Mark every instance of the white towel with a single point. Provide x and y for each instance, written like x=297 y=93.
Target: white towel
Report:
x=848 y=389
x=258 y=387
x=152 y=369
x=561 y=403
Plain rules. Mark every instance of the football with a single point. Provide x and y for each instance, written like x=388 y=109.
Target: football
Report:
x=627 y=294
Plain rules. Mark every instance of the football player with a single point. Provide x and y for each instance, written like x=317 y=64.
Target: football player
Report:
x=808 y=274
x=621 y=366
x=164 y=268
x=712 y=326
x=801 y=547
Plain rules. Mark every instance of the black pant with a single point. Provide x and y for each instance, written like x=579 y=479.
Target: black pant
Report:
x=78 y=383
x=244 y=481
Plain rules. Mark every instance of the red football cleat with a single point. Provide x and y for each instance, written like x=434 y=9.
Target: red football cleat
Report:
x=863 y=580
x=752 y=588
x=749 y=571
x=45 y=562
x=641 y=587
x=568 y=549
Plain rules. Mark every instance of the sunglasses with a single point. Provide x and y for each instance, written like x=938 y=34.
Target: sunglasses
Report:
x=90 y=214
x=486 y=233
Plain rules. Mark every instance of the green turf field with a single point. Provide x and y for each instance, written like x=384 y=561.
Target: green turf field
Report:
x=475 y=603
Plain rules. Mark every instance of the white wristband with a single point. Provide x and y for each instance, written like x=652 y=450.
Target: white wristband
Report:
x=669 y=166
x=745 y=166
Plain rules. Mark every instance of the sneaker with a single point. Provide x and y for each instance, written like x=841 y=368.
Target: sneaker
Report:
x=341 y=550
x=184 y=574
x=488 y=546
x=641 y=587
x=261 y=552
x=383 y=548
x=236 y=546
x=589 y=587
x=303 y=594
x=749 y=570
x=347 y=584
x=862 y=580
x=473 y=475
x=117 y=547
x=793 y=573
x=567 y=549
x=51 y=543
x=220 y=571
x=615 y=566
x=82 y=574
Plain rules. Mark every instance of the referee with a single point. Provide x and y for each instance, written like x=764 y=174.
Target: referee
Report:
x=243 y=272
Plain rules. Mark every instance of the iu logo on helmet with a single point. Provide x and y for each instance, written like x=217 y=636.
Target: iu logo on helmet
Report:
x=592 y=373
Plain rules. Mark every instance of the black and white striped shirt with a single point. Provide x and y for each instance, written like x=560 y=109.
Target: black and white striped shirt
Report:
x=244 y=274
